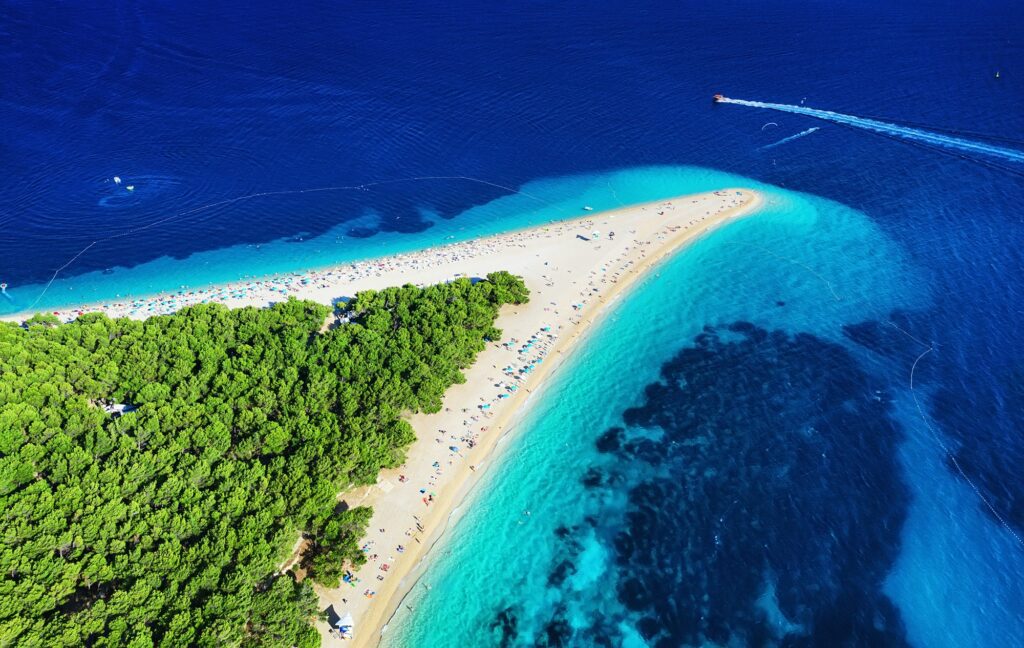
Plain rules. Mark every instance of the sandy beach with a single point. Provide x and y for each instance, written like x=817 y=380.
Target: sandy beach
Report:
x=574 y=269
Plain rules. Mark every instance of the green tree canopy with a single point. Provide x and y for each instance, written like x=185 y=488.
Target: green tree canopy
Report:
x=154 y=475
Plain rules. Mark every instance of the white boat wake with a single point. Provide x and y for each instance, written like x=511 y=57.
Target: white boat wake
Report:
x=803 y=133
x=893 y=130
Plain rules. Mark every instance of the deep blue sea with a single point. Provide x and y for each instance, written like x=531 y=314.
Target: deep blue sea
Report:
x=806 y=431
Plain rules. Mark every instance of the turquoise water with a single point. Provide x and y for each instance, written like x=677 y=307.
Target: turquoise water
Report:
x=803 y=265
x=224 y=117
x=554 y=576
x=534 y=203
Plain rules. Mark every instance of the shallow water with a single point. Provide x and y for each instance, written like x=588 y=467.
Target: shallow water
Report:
x=429 y=123
x=753 y=489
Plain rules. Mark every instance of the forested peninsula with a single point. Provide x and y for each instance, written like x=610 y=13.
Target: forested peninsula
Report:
x=155 y=475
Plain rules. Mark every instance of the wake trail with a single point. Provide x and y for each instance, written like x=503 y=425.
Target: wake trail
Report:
x=894 y=130
x=803 y=133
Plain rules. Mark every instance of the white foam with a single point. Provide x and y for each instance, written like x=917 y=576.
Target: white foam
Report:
x=925 y=137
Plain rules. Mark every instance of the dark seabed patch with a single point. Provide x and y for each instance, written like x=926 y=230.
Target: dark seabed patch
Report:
x=979 y=415
x=984 y=415
x=764 y=507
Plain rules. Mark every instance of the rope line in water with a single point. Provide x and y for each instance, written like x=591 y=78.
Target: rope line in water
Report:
x=615 y=194
x=806 y=267
x=935 y=436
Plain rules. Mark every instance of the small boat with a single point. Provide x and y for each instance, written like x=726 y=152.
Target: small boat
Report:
x=587 y=208
x=718 y=98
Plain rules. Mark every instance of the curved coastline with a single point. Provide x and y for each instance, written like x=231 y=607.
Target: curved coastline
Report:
x=577 y=250
x=403 y=575
x=539 y=203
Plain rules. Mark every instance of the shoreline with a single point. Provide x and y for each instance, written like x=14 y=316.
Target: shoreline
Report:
x=433 y=525
x=576 y=270
x=257 y=289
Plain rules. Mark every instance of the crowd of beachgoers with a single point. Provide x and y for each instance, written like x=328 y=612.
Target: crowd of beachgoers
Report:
x=451 y=448
x=263 y=291
x=522 y=358
x=267 y=290
x=571 y=268
x=523 y=355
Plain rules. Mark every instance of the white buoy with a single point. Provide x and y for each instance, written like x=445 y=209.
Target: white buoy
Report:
x=117 y=179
